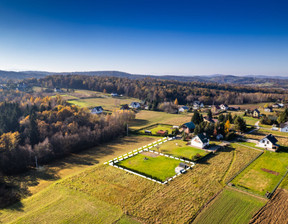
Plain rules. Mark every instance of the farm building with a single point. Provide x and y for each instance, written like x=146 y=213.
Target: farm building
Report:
x=224 y=107
x=183 y=109
x=200 y=141
x=284 y=127
x=97 y=110
x=135 y=105
x=256 y=113
x=269 y=143
x=268 y=109
x=188 y=127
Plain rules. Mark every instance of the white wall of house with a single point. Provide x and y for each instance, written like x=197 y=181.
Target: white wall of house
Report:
x=265 y=143
x=198 y=143
x=285 y=129
x=96 y=111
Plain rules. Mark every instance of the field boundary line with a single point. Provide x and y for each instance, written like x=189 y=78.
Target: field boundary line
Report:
x=205 y=205
x=229 y=168
x=248 y=164
x=248 y=193
x=278 y=184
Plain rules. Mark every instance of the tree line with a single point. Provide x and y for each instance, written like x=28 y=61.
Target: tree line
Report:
x=155 y=91
x=48 y=128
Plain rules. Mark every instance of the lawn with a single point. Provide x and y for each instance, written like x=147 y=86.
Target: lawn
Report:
x=230 y=207
x=259 y=181
x=156 y=128
x=151 y=165
x=180 y=149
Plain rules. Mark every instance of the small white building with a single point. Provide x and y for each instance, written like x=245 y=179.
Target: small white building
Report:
x=197 y=105
x=135 y=105
x=284 y=127
x=200 y=141
x=183 y=109
x=114 y=94
x=268 y=109
x=97 y=110
x=224 y=107
x=269 y=143
x=181 y=168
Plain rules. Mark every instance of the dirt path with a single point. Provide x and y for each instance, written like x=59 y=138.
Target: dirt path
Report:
x=229 y=168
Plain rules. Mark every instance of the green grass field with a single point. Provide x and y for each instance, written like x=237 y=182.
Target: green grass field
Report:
x=156 y=128
x=230 y=207
x=250 y=144
x=179 y=149
x=254 y=179
x=154 y=166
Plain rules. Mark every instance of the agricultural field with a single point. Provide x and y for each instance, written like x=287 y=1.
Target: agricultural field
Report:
x=33 y=181
x=241 y=157
x=250 y=106
x=180 y=149
x=275 y=211
x=140 y=199
x=151 y=165
x=264 y=173
x=146 y=118
x=250 y=144
x=230 y=207
x=155 y=128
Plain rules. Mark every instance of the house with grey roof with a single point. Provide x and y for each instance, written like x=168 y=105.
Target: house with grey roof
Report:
x=200 y=141
x=269 y=142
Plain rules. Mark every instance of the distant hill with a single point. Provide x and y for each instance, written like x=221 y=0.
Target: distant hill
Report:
x=218 y=78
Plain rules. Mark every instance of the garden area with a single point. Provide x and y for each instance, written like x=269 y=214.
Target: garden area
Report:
x=151 y=165
x=157 y=129
x=264 y=173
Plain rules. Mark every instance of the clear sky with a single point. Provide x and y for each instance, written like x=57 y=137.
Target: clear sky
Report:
x=193 y=37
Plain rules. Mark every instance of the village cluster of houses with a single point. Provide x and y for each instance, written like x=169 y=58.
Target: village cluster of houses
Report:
x=133 y=105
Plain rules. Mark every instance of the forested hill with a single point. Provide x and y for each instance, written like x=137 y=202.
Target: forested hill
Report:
x=275 y=81
x=155 y=91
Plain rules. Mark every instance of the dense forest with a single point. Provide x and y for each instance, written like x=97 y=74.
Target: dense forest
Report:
x=48 y=128
x=155 y=91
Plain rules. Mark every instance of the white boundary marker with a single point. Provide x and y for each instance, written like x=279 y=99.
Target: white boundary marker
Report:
x=147 y=148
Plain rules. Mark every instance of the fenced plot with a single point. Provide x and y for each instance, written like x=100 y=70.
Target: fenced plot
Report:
x=150 y=164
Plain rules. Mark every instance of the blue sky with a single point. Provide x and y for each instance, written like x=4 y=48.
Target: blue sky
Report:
x=196 y=37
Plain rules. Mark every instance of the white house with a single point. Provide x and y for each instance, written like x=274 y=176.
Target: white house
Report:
x=197 y=105
x=97 y=110
x=269 y=143
x=284 y=127
x=183 y=109
x=224 y=107
x=268 y=109
x=200 y=141
x=114 y=94
x=135 y=105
